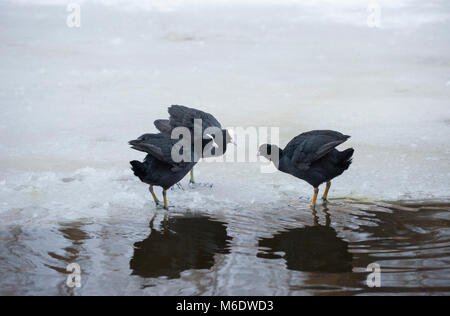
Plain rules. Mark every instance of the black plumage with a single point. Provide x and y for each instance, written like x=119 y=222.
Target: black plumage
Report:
x=203 y=126
x=312 y=157
x=158 y=168
x=161 y=167
x=183 y=116
x=158 y=173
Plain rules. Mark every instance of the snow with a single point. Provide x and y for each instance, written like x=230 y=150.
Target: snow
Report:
x=71 y=98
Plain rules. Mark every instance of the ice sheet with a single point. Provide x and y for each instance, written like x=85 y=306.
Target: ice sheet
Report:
x=71 y=98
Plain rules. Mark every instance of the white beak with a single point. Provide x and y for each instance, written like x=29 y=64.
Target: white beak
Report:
x=214 y=142
x=232 y=134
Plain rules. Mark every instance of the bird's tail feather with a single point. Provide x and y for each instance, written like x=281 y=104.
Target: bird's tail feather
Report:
x=346 y=158
x=138 y=169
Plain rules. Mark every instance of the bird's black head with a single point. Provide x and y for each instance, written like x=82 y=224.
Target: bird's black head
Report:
x=215 y=142
x=227 y=138
x=271 y=152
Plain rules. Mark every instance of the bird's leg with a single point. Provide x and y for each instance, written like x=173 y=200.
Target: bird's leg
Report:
x=193 y=184
x=166 y=206
x=154 y=195
x=327 y=188
x=191 y=181
x=313 y=203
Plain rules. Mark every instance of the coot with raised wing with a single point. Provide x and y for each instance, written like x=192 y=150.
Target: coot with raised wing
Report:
x=213 y=138
x=312 y=157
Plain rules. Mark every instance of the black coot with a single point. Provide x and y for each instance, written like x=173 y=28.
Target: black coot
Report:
x=312 y=157
x=205 y=123
x=158 y=168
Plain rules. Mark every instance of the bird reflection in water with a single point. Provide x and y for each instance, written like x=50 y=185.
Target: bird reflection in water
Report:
x=311 y=249
x=183 y=243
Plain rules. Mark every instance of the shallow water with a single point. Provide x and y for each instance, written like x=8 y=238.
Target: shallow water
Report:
x=72 y=98
x=271 y=250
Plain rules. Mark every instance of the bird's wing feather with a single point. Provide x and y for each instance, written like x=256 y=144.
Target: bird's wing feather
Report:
x=325 y=132
x=150 y=149
x=311 y=146
x=163 y=126
x=159 y=146
x=183 y=116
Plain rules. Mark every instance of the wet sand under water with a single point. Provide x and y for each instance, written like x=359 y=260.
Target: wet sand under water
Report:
x=270 y=250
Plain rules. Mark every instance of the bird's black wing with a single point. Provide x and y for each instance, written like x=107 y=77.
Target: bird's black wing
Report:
x=160 y=146
x=190 y=118
x=311 y=146
x=163 y=126
x=182 y=116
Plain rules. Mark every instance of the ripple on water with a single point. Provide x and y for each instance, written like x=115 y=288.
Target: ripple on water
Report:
x=269 y=249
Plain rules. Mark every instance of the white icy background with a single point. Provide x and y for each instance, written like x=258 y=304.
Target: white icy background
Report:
x=71 y=98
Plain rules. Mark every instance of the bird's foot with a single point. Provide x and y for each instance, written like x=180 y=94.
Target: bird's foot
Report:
x=178 y=187
x=194 y=185
x=325 y=202
x=161 y=206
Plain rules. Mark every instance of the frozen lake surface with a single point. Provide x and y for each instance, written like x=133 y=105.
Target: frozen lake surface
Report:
x=71 y=98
